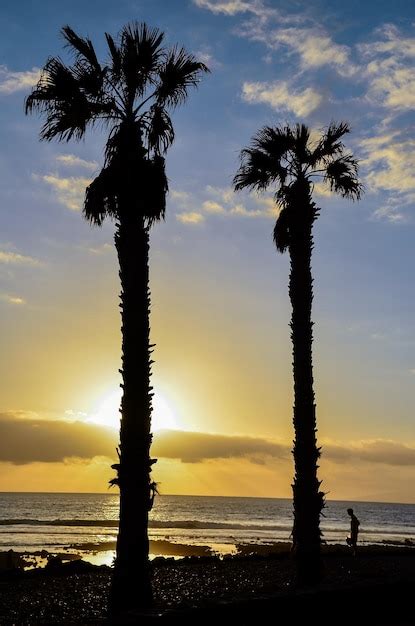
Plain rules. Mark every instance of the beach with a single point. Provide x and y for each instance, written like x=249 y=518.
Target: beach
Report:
x=244 y=586
x=212 y=558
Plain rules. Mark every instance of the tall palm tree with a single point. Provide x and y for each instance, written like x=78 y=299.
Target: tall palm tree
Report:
x=286 y=159
x=131 y=94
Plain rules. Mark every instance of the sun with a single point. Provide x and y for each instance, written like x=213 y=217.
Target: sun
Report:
x=107 y=412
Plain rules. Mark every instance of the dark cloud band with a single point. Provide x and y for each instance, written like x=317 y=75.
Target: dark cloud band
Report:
x=24 y=440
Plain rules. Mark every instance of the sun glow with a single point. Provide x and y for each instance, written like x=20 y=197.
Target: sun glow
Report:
x=107 y=412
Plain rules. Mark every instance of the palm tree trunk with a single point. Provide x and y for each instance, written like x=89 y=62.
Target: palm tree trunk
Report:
x=131 y=584
x=308 y=500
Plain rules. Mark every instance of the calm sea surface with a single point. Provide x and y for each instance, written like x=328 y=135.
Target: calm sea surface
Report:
x=32 y=521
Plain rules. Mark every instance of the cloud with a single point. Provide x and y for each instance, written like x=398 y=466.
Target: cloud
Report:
x=206 y=57
x=190 y=217
x=25 y=438
x=232 y=7
x=14 y=258
x=322 y=189
x=314 y=46
x=281 y=97
x=393 y=41
x=391 y=84
x=103 y=249
x=390 y=166
x=263 y=206
x=391 y=71
x=242 y=211
x=213 y=207
x=69 y=191
x=15 y=300
x=34 y=440
x=226 y=194
x=71 y=160
x=222 y=201
x=194 y=447
x=374 y=451
x=179 y=195
x=10 y=82
x=391 y=212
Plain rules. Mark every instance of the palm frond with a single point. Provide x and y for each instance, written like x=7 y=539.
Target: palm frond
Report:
x=159 y=130
x=330 y=144
x=276 y=141
x=154 y=198
x=141 y=55
x=58 y=95
x=115 y=58
x=89 y=80
x=258 y=170
x=301 y=136
x=342 y=176
x=101 y=197
x=130 y=181
x=179 y=71
x=83 y=48
x=71 y=98
x=282 y=230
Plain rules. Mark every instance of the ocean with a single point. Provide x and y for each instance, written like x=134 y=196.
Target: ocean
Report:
x=86 y=524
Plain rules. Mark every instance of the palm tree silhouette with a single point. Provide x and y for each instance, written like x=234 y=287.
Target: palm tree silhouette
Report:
x=131 y=95
x=286 y=158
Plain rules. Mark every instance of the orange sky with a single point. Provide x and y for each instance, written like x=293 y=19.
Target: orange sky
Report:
x=220 y=307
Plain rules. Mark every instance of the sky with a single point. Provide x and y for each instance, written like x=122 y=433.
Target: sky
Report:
x=220 y=307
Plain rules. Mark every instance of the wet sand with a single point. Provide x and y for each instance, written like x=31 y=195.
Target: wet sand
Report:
x=205 y=589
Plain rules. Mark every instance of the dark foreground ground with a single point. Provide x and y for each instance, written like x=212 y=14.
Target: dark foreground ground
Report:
x=376 y=587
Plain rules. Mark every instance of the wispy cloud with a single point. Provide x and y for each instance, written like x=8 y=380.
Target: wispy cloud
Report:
x=190 y=217
x=14 y=258
x=314 y=46
x=10 y=82
x=11 y=299
x=213 y=207
x=99 y=250
x=232 y=7
x=226 y=202
x=206 y=56
x=390 y=71
x=392 y=41
x=281 y=97
x=389 y=164
x=71 y=160
x=69 y=191
x=392 y=212
x=222 y=202
x=180 y=196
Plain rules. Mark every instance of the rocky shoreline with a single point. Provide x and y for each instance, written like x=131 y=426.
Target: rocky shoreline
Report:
x=75 y=592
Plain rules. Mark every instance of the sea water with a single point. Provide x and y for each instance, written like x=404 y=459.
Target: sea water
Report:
x=55 y=521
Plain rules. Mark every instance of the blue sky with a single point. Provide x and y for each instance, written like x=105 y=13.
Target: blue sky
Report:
x=221 y=310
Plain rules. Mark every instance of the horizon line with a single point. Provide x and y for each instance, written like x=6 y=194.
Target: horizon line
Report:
x=178 y=495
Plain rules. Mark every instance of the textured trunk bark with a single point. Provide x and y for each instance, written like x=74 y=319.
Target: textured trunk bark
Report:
x=131 y=584
x=308 y=500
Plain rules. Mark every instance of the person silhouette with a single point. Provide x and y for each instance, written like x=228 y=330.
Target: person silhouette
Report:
x=354 y=531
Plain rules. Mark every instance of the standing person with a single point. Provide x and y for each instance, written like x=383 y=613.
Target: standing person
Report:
x=354 y=531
